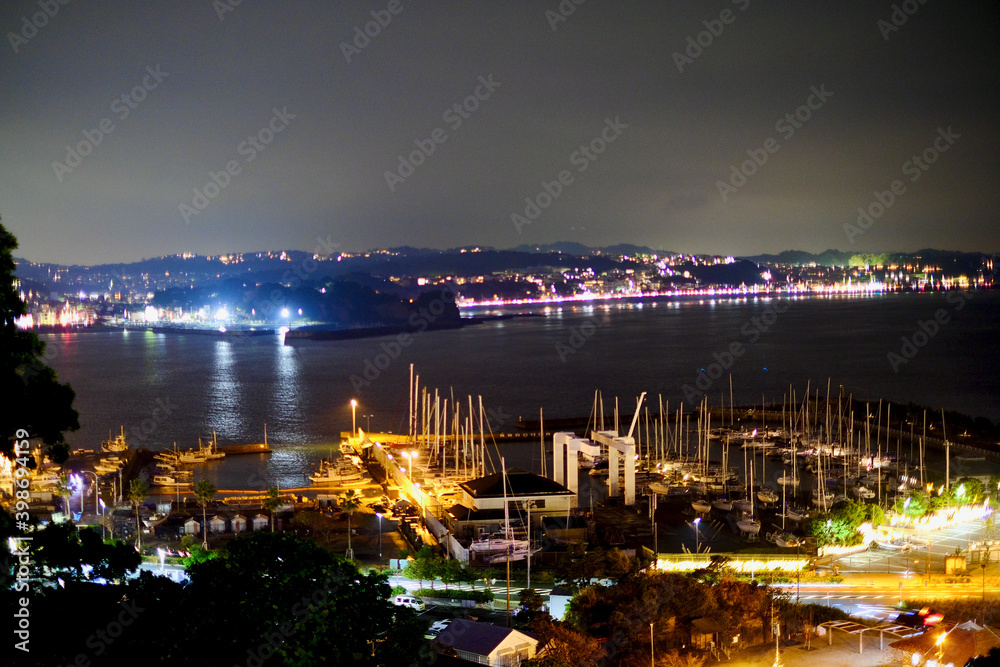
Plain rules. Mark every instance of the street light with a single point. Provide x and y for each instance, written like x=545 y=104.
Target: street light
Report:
x=379 y=515
x=409 y=464
x=369 y=418
x=354 y=418
x=697 y=537
x=97 y=493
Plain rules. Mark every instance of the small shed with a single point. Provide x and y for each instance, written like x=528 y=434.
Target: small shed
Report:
x=192 y=527
x=705 y=633
x=217 y=524
x=238 y=523
x=259 y=522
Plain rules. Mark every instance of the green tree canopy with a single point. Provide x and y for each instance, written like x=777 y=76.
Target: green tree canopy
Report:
x=295 y=600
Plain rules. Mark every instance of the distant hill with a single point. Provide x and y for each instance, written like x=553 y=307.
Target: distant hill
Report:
x=802 y=258
x=581 y=250
x=950 y=261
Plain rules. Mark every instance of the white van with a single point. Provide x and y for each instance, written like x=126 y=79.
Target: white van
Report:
x=409 y=601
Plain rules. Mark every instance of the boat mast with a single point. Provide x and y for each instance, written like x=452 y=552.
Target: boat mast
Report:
x=541 y=437
x=409 y=412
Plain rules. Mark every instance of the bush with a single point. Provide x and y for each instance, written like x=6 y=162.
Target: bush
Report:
x=398 y=590
x=476 y=596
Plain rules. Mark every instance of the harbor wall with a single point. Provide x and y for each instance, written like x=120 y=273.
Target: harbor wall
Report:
x=429 y=507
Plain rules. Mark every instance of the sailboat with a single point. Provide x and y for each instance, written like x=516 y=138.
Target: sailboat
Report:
x=749 y=524
x=765 y=494
x=503 y=547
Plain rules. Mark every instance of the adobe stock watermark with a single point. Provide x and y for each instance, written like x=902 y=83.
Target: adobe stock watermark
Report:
x=915 y=167
x=248 y=149
x=151 y=424
x=581 y=158
x=363 y=35
x=578 y=337
x=122 y=106
x=562 y=12
x=926 y=330
x=714 y=28
x=751 y=331
x=22 y=552
x=900 y=14
x=223 y=7
x=786 y=126
x=31 y=25
x=454 y=116
x=418 y=323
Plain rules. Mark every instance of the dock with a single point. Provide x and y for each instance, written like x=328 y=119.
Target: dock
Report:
x=258 y=448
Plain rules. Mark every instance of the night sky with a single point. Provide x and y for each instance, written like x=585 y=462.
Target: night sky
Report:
x=162 y=95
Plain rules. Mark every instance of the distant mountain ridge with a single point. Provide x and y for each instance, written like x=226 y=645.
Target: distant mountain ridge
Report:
x=581 y=250
x=276 y=266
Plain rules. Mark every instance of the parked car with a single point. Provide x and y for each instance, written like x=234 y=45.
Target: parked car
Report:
x=409 y=601
x=401 y=503
x=436 y=628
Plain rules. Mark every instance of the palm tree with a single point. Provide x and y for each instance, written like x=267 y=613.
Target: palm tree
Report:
x=64 y=489
x=204 y=491
x=349 y=503
x=137 y=492
x=272 y=502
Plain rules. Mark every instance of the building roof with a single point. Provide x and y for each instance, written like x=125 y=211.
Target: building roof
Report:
x=519 y=483
x=477 y=638
x=706 y=626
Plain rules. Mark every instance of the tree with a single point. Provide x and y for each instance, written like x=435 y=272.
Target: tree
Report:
x=968 y=490
x=34 y=403
x=985 y=660
x=64 y=490
x=297 y=601
x=272 y=502
x=530 y=608
x=680 y=658
x=137 y=492
x=565 y=646
x=111 y=560
x=317 y=522
x=350 y=502
x=425 y=566
x=841 y=525
x=204 y=491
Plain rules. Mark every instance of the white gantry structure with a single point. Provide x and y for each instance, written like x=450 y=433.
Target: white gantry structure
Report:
x=566 y=448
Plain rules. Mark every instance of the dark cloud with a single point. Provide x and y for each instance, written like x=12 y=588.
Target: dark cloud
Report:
x=656 y=184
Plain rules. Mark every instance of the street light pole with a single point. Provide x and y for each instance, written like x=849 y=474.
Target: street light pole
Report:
x=379 y=515
x=97 y=493
x=354 y=418
x=982 y=609
x=697 y=537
